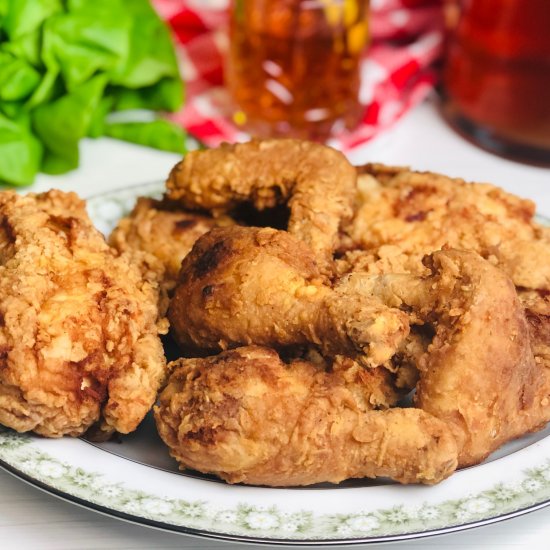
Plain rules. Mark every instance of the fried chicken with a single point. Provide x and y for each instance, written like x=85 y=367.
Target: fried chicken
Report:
x=261 y=286
x=404 y=215
x=379 y=388
x=247 y=417
x=478 y=374
x=164 y=230
x=318 y=183
x=537 y=311
x=243 y=285
x=78 y=325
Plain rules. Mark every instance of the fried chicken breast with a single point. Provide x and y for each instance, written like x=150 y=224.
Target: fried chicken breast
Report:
x=403 y=215
x=79 y=327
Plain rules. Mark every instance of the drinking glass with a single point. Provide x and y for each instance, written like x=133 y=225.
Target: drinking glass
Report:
x=293 y=66
x=497 y=77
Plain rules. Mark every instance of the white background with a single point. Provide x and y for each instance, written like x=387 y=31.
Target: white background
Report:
x=32 y=519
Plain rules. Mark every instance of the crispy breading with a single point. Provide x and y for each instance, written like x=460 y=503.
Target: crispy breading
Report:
x=248 y=417
x=479 y=373
x=450 y=256
x=316 y=181
x=403 y=215
x=536 y=304
x=242 y=285
x=163 y=230
x=79 y=326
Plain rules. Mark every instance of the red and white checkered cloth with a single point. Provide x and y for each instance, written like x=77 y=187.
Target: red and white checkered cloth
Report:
x=396 y=72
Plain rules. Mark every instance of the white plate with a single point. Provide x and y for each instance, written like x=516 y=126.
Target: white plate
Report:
x=136 y=480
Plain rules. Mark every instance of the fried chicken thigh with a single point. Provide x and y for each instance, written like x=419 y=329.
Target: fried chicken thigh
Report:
x=248 y=417
x=78 y=325
x=243 y=285
x=404 y=215
x=478 y=374
x=316 y=181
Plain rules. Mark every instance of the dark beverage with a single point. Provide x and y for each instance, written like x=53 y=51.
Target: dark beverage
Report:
x=497 y=76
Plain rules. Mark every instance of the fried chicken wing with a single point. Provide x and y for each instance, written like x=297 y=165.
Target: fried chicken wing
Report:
x=164 y=230
x=243 y=285
x=478 y=374
x=318 y=183
x=404 y=215
x=78 y=325
x=248 y=417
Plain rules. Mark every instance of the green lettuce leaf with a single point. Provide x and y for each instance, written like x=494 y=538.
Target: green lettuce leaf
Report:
x=65 y=65
x=159 y=134
x=83 y=43
x=151 y=54
x=26 y=47
x=166 y=95
x=20 y=152
x=3 y=13
x=97 y=124
x=24 y=16
x=14 y=110
x=50 y=86
x=61 y=124
x=17 y=78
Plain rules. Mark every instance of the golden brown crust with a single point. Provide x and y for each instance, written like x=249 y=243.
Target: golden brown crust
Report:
x=537 y=312
x=488 y=389
x=78 y=334
x=403 y=215
x=163 y=230
x=478 y=374
x=79 y=346
x=247 y=417
x=317 y=182
x=242 y=285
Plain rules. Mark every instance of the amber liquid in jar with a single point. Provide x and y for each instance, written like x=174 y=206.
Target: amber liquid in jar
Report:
x=497 y=76
x=293 y=67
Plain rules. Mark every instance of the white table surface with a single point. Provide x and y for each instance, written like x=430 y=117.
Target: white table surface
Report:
x=31 y=519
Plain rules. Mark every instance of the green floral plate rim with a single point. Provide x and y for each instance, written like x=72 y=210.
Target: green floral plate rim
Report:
x=516 y=482
x=21 y=455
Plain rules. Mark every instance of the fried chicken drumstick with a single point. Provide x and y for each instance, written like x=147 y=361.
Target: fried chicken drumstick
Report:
x=243 y=285
x=79 y=326
x=248 y=417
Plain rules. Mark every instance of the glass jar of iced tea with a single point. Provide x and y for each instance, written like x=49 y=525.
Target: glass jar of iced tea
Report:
x=497 y=76
x=293 y=66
